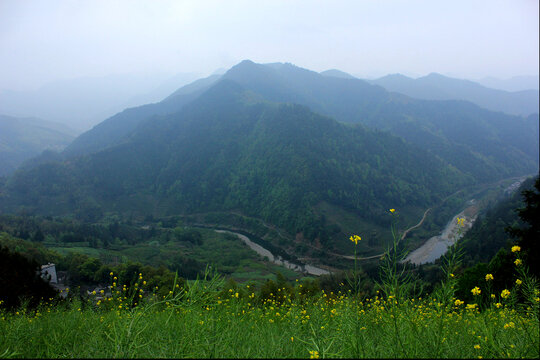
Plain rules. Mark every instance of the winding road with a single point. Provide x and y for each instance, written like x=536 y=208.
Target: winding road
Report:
x=381 y=254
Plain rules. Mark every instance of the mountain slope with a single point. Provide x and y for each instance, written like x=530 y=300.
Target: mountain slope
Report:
x=114 y=129
x=483 y=144
x=438 y=87
x=232 y=150
x=24 y=138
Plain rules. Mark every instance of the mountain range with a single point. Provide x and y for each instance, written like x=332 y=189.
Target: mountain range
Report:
x=438 y=87
x=272 y=141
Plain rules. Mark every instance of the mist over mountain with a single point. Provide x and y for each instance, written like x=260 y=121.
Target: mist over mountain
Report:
x=273 y=141
x=482 y=144
x=516 y=83
x=84 y=102
x=438 y=87
x=24 y=138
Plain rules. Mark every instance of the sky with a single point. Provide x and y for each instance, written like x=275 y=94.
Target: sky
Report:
x=43 y=41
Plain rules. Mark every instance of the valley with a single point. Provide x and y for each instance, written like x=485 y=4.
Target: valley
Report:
x=269 y=179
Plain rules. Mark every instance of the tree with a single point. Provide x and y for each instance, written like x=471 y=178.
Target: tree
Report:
x=20 y=281
x=529 y=236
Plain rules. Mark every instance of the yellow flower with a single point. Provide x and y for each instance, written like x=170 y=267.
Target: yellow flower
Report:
x=517 y=262
x=111 y=273
x=392 y=210
x=498 y=305
x=355 y=239
x=292 y=338
x=489 y=277
x=516 y=248
x=509 y=325
x=518 y=281
x=471 y=306
x=313 y=354
x=477 y=347
x=460 y=221
x=505 y=293
x=476 y=291
x=458 y=302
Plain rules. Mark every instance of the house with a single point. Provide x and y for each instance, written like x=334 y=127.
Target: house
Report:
x=48 y=272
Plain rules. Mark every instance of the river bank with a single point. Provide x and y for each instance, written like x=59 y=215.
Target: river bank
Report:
x=304 y=268
x=437 y=245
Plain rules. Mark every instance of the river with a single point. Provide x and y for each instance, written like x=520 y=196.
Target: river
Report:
x=304 y=268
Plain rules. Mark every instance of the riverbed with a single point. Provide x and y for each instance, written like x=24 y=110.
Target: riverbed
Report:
x=303 y=268
x=437 y=246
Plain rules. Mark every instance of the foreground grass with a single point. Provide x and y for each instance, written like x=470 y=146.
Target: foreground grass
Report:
x=232 y=326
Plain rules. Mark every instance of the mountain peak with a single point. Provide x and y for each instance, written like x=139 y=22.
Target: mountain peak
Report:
x=337 y=73
x=435 y=75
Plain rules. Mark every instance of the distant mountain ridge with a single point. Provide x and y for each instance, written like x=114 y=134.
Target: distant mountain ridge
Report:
x=427 y=124
x=337 y=73
x=84 y=102
x=438 y=87
x=24 y=138
x=516 y=83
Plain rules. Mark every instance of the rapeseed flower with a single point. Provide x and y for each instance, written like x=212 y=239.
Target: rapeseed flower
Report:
x=489 y=277
x=476 y=291
x=517 y=262
x=355 y=239
x=518 y=281
x=509 y=325
x=505 y=293
x=392 y=210
x=516 y=248
x=313 y=354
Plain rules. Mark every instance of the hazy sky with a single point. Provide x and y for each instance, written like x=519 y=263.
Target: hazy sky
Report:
x=46 y=40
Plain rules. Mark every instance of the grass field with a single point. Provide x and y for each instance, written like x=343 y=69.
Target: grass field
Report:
x=205 y=322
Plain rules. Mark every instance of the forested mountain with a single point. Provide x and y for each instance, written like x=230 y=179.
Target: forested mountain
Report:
x=232 y=150
x=438 y=87
x=24 y=138
x=482 y=144
x=245 y=141
x=115 y=128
